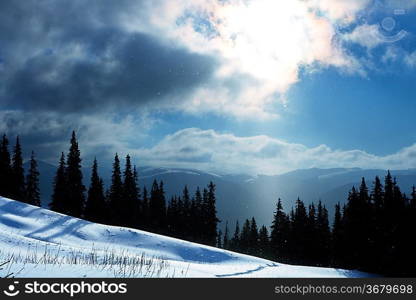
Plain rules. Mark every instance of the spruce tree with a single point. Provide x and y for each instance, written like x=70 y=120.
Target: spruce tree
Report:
x=219 y=239
x=253 y=241
x=116 y=194
x=235 y=241
x=323 y=236
x=5 y=169
x=157 y=207
x=18 y=176
x=299 y=239
x=32 y=183
x=76 y=189
x=211 y=215
x=95 y=207
x=338 y=249
x=226 y=240
x=145 y=214
x=245 y=237
x=130 y=201
x=264 y=243
x=59 y=202
x=279 y=238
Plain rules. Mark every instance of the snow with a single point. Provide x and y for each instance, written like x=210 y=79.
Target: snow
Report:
x=40 y=243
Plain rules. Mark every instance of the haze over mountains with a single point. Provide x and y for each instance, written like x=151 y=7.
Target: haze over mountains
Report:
x=242 y=196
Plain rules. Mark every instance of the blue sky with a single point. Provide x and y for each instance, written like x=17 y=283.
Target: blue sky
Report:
x=227 y=86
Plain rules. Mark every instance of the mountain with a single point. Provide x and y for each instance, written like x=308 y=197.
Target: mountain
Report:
x=35 y=242
x=242 y=196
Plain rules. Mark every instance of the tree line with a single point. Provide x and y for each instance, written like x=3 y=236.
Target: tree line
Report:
x=122 y=204
x=373 y=232
x=13 y=182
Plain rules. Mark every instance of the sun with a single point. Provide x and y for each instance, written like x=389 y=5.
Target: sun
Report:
x=270 y=39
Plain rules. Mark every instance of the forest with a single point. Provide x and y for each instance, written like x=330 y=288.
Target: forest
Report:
x=373 y=231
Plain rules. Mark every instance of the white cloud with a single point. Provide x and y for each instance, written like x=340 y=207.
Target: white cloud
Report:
x=410 y=59
x=222 y=152
x=365 y=35
x=266 y=42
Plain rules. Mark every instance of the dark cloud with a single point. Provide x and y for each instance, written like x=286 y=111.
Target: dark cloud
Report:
x=73 y=56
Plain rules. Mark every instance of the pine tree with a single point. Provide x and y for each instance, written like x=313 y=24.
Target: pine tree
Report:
x=245 y=237
x=95 y=207
x=219 y=239
x=116 y=194
x=157 y=207
x=139 y=204
x=186 y=214
x=311 y=246
x=226 y=240
x=298 y=238
x=59 y=202
x=130 y=202
x=253 y=241
x=279 y=237
x=18 y=176
x=235 y=241
x=5 y=169
x=211 y=215
x=145 y=213
x=198 y=215
x=32 y=183
x=264 y=242
x=76 y=189
x=338 y=249
x=323 y=239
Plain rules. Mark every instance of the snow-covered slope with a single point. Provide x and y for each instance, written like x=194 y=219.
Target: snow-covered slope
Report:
x=40 y=243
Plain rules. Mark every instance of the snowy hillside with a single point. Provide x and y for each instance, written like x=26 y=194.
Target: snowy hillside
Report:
x=36 y=242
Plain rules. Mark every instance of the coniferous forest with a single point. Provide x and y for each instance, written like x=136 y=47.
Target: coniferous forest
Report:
x=372 y=232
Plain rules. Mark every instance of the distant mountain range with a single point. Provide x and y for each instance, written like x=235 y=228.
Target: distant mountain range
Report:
x=243 y=196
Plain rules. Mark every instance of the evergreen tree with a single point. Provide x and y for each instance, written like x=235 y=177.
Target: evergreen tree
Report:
x=145 y=214
x=226 y=240
x=32 y=183
x=18 y=176
x=323 y=238
x=186 y=214
x=338 y=249
x=116 y=194
x=157 y=207
x=219 y=239
x=280 y=234
x=245 y=237
x=235 y=241
x=76 y=189
x=311 y=246
x=172 y=215
x=211 y=215
x=130 y=202
x=299 y=239
x=95 y=207
x=5 y=169
x=264 y=242
x=253 y=241
x=59 y=202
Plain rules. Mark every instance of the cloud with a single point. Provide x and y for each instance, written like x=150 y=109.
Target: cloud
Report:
x=365 y=35
x=56 y=64
x=232 y=57
x=48 y=133
x=410 y=59
x=252 y=42
x=395 y=54
x=223 y=152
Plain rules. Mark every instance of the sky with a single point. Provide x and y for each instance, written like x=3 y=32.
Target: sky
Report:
x=229 y=86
